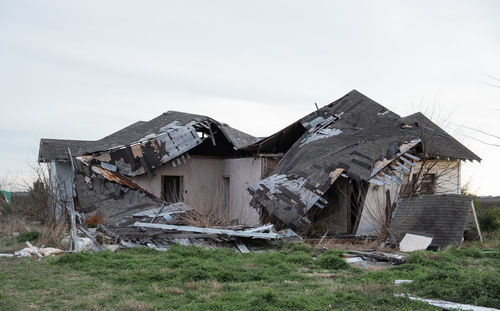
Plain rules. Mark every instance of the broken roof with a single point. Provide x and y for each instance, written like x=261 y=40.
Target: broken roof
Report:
x=353 y=137
x=56 y=149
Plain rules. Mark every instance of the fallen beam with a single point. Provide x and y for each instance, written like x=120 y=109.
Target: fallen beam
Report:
x=243 y=234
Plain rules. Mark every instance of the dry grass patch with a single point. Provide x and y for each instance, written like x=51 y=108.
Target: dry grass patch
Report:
x=165 y=270
x=175 y=290
x=134 y=305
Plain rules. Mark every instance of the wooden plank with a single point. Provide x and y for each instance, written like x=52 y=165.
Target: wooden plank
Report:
x=407 y=161
x=242 y=247
x=261 y=228
x=411 y=156
x=254 y=235
x=74 y=236
x=476 y=221
x=90 y=236
x=34 y=250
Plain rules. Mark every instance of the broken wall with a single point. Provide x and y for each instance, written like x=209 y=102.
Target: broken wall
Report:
x=203 y=184
x=113 y=202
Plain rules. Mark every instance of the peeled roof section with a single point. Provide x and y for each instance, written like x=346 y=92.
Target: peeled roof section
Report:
x=351 y=137
x=56 y=149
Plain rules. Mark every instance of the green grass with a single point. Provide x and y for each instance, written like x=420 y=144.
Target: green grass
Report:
x=192 y=278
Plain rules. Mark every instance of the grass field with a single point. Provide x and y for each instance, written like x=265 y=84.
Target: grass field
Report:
x=292 y=278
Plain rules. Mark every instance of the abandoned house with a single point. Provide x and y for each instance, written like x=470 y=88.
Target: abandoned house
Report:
x=339 y=169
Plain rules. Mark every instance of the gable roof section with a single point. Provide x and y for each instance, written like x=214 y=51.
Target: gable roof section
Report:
x=238 y=138
x=345 y=138
x=56 y=149
x=436 y=141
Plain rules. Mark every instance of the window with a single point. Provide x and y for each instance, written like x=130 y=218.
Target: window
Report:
x=428 y=184
x=172 y=188
x=226 y=191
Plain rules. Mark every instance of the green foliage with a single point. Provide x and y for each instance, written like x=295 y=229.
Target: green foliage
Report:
x=193 y=278
x=489 y=219
x=292 y=247
x=331 y=260
x=28 y=236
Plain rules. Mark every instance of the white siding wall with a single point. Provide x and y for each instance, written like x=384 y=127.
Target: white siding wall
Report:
x=202 y=177
x=61 y=175
x=242 y=173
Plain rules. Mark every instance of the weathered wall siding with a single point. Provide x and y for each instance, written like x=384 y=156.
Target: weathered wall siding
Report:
x=373 y=214
x=448 y=173
x=202 y=177
x=242 y=172
x=61 y=175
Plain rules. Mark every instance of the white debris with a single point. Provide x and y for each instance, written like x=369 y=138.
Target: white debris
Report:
x=447 y=305
x=35 y=251
x=353 y=260
x=399 y=282
x=413 y=242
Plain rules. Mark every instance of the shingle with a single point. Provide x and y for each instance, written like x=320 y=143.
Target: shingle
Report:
x=442 y=217
x=437 y=142
x=56 y=149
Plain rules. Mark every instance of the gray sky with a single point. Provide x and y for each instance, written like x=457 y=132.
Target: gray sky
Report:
x=84 y=69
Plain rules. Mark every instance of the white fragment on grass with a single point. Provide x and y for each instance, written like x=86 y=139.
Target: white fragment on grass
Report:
x=447 y=305
x=353 y=260
x=399 y=282
x=413 y=242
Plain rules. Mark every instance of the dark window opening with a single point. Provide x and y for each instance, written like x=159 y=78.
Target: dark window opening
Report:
x=172 y=188
x=428 y=184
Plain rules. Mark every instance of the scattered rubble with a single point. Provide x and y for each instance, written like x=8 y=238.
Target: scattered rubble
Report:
x=39 y=252
x=393 y=258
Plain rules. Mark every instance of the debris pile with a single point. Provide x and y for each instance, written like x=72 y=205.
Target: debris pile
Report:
x=163 y=226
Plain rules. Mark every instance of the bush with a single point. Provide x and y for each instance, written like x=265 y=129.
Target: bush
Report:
x=489 y=219
x=331 y=260
x=28 y=236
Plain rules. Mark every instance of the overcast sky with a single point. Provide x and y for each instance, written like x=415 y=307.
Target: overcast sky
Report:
x=84 y=69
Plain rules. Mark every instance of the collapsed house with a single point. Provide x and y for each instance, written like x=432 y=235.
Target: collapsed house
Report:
x=339 y=169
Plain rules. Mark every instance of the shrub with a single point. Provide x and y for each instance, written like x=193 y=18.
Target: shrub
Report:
x=489 y=219
x=331 y=260
x=28 y=236
x=94 y=220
